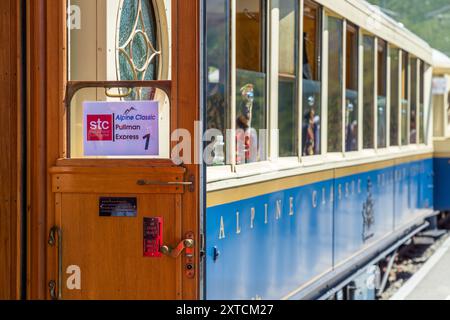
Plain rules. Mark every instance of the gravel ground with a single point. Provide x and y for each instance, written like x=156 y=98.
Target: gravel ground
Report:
x=410 y=259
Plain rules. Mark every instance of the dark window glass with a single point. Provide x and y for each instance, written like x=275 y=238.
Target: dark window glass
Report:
x=312 y=105
x=351 y=101
x=368 y=93
x=217 y=63
x=287 y=98
x=394 y=99
x=413 y=109
x=382 y=90
x=422 y=103
x=335 y=83
x=251 y=109
x=404 y=99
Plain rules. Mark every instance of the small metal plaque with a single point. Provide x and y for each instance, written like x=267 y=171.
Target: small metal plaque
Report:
x=153 y=237
x=118 y=207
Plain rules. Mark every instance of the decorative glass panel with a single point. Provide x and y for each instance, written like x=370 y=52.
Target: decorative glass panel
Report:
x=137 y=47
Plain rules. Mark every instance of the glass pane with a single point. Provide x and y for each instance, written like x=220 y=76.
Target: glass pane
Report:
x=251 y=111
x=422 y=103
x=287 y=102
x=312 y=87
x=114 y=127
x=249 y=35
x=368 y=94
x=413 y=110
x=395 y=70
x=335 y=84
x=119 y=40
x=351 y=101
x=382 y=90
x=217 y=64
x=404 y=99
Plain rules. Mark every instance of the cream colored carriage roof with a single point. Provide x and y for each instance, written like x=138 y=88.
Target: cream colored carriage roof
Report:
x=441 y=62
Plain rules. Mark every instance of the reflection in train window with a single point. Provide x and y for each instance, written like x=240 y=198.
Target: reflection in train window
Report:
x=251 y=111
x=335 y=83
x=404 y=99
x=119 y=40
x=287 y=97
x=394 y=95
x=351 y=99
x=382 y=90
x=312 y=103
x=217 y=64
x=413 y=107
x=368 y=93
x=422 y=103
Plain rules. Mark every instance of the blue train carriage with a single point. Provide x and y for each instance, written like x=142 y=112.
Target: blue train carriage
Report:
x=323 y=159
x=441 y=100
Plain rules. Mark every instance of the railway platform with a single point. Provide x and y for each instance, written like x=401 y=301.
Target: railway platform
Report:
x=430 y=282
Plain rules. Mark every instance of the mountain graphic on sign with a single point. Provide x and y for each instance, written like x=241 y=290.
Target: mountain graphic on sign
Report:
x=129 y=110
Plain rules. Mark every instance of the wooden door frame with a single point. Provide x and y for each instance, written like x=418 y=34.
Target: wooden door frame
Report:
x=46 y=133
x=11 y=146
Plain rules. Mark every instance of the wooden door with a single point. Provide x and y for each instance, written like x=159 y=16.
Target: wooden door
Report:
x=104 y=256
x=78 y=249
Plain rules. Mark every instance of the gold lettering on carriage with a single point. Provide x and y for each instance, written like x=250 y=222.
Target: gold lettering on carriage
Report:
x=278 y=206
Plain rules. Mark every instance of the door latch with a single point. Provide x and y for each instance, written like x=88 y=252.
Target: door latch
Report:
x=188 y=246
x=176 y=252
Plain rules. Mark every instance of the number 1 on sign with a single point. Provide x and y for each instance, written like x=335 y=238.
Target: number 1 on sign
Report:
x=147 y=141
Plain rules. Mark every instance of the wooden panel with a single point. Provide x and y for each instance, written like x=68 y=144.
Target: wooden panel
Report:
x=109 y=250
x=10 y=164
x=104 y=180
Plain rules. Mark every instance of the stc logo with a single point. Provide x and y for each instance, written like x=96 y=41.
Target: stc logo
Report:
x=100 y=127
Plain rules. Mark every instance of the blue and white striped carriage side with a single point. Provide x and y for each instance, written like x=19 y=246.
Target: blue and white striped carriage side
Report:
x=270 y=240
x=287 y=228
x=441 y=95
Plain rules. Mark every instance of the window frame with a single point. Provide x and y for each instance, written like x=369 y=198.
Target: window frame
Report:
x=276 y=163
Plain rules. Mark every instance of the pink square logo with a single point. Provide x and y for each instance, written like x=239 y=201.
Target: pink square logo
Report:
x=100 y=127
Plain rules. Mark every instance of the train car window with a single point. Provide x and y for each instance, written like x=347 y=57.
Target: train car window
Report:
x=368 y=93
x=394 y=95
x=287 y=97
x=404 y=98
x=351 y=99
x=413 y=106
x=217 y=69
x=382 y=93
x=422 y=103
x=312 y=87
x=119 y=41
x=335 y=83
x=251 y=105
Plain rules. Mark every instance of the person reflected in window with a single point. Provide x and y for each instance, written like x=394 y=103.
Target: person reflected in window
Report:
x=246 y=137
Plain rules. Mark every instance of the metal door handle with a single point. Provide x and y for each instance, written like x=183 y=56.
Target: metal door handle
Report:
x=162 y=183
x=189 y=183
x=175 y=253
x=56 y=293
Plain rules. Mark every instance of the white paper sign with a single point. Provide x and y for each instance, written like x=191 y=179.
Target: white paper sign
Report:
x=440 y=86
x=125 y=128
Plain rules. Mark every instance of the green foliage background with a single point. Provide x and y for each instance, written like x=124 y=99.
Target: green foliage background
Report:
x=414 y=15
